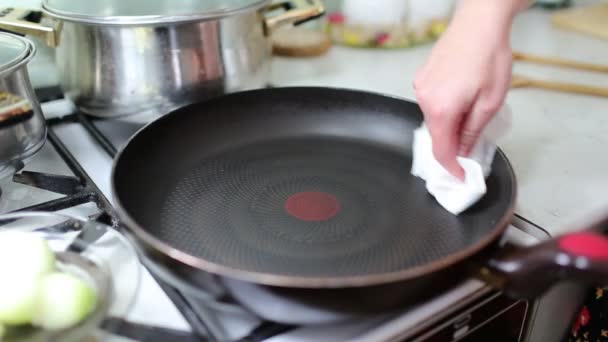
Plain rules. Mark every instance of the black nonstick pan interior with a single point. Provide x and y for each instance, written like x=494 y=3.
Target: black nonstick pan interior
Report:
x=302 y=187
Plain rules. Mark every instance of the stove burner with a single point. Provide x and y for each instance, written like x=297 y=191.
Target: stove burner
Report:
x=312 y=206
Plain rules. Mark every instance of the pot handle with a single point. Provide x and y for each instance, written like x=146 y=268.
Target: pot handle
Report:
x=296 y=12
x=24 y=21
x=528 y=272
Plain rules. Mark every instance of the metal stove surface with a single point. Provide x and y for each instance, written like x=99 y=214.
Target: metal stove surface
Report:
x=17 y=196
x=158 y=305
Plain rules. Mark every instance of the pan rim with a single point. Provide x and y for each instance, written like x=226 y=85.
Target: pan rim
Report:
x=279 y=280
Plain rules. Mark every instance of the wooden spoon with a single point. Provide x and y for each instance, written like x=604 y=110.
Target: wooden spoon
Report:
x=523 y=81
x=525 y=57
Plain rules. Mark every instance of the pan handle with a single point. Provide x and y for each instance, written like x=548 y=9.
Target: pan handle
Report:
x=23 y=21
x=528 y=272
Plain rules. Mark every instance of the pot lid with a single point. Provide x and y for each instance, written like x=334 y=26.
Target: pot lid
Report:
x=138 y=12
x=13 y=49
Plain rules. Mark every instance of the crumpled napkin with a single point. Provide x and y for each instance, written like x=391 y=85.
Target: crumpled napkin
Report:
x=451 y=193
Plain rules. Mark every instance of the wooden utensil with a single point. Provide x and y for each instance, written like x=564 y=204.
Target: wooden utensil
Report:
x=526 y=57
x=518 y=81
x=591 y=20
x=299 y=42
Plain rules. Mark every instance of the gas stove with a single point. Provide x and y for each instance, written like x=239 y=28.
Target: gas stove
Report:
x=71 y=174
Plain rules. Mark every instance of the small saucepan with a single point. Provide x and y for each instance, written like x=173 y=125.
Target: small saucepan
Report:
x=22 y=125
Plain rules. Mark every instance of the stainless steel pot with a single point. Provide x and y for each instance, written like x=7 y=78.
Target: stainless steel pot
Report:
x=22 y=125
x=136 y=59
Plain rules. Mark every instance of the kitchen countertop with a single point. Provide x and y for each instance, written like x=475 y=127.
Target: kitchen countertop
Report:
x=557 y=141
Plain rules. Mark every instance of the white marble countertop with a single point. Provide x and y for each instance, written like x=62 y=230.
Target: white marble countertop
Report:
x=558 y=141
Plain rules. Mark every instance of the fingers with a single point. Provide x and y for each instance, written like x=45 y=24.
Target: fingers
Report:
x=485 y=106
x=459 y=96
x=443 y=121
x=474 y=124
x=444 y=137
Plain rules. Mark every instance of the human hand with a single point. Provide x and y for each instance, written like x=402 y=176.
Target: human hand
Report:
x=465 y=79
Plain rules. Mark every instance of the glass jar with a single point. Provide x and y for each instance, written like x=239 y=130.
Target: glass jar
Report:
x=387 y=23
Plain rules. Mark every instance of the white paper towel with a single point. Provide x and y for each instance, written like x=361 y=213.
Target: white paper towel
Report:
x=451 y=193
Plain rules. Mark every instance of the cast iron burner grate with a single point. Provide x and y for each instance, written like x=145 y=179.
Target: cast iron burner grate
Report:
x=80 y=189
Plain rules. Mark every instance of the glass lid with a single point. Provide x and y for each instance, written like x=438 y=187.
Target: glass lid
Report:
x=13 y=49
x=132 y=12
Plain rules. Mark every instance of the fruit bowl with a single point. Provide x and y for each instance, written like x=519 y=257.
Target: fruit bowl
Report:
x=82 y=249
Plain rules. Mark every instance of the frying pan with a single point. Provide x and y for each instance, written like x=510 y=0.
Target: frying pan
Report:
x=306 y=193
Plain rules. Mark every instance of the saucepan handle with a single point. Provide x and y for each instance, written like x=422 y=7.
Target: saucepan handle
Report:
x=23 y=21
x=296 y=12
x=576 y=257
